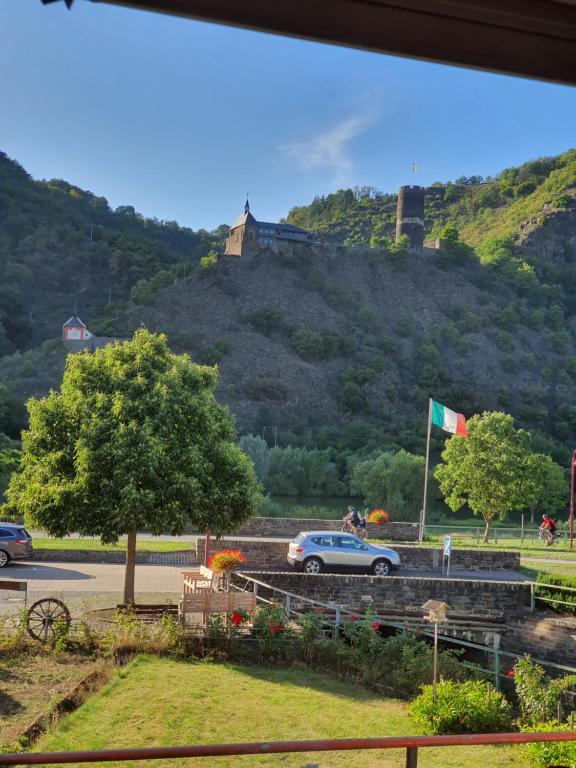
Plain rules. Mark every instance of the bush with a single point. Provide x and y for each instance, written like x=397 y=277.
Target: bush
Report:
x=550 y=753
x=568 y=599
x=469 y=707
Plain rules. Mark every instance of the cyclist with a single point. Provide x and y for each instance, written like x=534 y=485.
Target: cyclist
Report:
x=352 y=520
x=548 y=528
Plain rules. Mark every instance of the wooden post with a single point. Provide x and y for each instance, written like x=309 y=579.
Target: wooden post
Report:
x=412 y=757
x=206 y=548
x=435 y=672
x=425 y=499
x=130 y=569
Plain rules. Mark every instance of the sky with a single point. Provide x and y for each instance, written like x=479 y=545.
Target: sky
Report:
x=180 y=118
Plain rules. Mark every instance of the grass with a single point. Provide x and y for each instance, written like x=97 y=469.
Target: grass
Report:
x=550 y=569
x=30 y=685
x=161 y=702
x=95 y=545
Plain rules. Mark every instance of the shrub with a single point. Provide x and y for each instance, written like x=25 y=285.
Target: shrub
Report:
x=209 y=261
x=568 y=599
x=266 y=320
x=469 y=707
x=550 y=753
x=541 y=699
x=226 y=559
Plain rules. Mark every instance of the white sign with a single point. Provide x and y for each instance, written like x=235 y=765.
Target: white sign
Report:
x=447 y=545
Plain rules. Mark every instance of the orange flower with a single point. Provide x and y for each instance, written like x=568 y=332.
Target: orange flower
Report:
x=226 y=559
x=378 y=516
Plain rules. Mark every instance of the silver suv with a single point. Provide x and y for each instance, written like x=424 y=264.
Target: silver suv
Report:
x=316 y=551
x=15 y=543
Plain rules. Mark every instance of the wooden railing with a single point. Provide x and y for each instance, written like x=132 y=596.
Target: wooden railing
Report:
x=409 y=743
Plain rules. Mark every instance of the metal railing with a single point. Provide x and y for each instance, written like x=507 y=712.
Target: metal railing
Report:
x=412 y=623
x=409 y=743
x=526 y=537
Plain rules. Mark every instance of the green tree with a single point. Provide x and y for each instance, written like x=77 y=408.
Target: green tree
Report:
x=391 y=481
x=551 y=486
x=489 y=470
x=133 y=440
x=257 y=449
x=9 y=458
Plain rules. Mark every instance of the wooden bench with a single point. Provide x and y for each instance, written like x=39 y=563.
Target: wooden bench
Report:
x=15 y=586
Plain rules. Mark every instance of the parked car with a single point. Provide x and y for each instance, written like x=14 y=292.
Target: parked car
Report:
x=316 y=551
x=15 y=543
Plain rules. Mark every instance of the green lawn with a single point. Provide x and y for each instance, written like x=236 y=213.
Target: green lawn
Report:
x=95 y=545
x=156 y=702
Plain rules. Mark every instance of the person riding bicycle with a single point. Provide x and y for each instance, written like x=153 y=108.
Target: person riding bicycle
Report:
x=548 y=528
x=352 y=519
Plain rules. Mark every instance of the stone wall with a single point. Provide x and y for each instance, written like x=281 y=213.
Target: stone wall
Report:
x=272 y=554
x=289 y=527
x=185 y=557
x=465 y=597
x=267 y=554
x=544 y=635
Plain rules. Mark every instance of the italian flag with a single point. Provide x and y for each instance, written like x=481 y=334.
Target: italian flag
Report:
x=448 y=420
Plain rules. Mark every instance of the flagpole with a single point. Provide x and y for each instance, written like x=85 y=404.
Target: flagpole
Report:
x=425 y=500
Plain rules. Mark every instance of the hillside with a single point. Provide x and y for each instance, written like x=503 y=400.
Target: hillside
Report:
x=341 y=347
x=61 y=245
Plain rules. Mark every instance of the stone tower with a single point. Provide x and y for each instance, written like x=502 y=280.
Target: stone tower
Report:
x=410 y=215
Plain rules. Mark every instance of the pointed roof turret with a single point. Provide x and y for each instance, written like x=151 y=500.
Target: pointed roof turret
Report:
x=246 y=206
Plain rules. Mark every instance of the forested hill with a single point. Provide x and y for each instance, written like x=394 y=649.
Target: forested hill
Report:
x=336 y=347
x=61 y=245
x=479 y=207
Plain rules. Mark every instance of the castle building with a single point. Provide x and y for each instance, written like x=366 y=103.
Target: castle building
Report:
x=75 y=330
x=410 y=215
x=248 y=234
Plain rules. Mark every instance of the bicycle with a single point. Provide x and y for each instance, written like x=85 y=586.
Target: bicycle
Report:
x=359 y=531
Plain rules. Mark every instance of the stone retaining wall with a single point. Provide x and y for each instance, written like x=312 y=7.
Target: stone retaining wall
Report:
x=272 y=554
x=475 y=598
x=185 y=557
x=544 y=635
x=266 y=554
x=289 y=527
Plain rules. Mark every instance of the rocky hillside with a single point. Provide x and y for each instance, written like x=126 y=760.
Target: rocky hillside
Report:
x=342 y=346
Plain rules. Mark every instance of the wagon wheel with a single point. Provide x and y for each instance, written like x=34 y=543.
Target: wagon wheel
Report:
x=47 y=619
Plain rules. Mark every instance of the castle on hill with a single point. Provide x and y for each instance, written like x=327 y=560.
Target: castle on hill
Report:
x=248 y=234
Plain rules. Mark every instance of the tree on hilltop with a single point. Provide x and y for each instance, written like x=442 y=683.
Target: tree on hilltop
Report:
x=133 y=440
x=490 y=470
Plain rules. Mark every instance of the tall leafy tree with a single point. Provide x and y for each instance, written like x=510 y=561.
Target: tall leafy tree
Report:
x=133 y=440
x=257 y=448
x=392 y=481
x=490 y=470
x=551 y=491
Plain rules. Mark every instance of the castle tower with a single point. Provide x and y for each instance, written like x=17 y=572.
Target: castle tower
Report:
x=410 y=215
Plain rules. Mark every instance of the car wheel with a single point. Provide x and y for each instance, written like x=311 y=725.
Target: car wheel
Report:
x=4 y=559
x=312 y=565
x=381 y=568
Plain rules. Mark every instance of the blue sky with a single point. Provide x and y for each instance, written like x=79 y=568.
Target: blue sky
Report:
x=180 y=118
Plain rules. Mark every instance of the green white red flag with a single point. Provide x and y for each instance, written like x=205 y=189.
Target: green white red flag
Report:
x=448 y=420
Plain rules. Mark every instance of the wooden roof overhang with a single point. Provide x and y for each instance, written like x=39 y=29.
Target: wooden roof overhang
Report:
x=532 y=38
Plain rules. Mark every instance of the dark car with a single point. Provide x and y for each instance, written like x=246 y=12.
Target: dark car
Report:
x=15 y=543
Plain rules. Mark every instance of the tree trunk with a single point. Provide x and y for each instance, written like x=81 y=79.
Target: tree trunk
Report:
x=486 y=531
x=130 y=569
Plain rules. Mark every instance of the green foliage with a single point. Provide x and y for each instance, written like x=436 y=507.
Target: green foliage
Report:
x=302 y=472
x=562 y=601
x=469 y=707
x=489 y=470
x=315 y=345
x=133 y=440
x=9 y=461
x=257 y=449
x=551 y=486
x=391 y=481
x=212 y=354
x=547 y=754
x=209 y=261
x=540 y=698
x=266 y=320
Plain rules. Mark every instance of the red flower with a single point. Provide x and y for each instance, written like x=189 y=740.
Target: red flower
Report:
x=510 y=673
x=226 y=559
x=236 y=619
x=352 y=618
x=375 y=625
x=275 y=628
